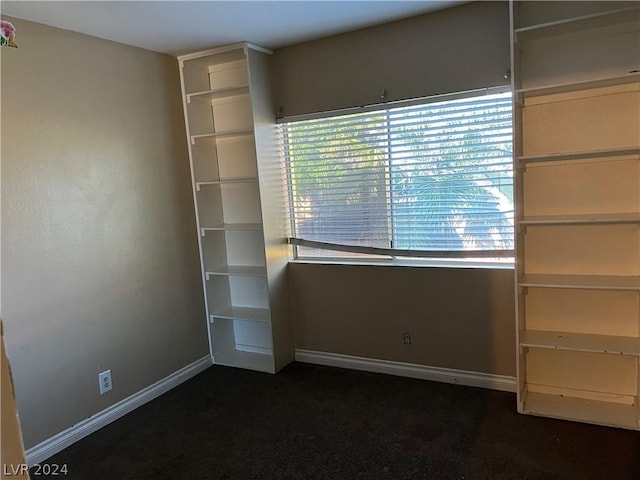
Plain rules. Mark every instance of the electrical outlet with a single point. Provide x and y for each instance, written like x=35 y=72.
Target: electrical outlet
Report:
x=406 y=339
x=104 y=380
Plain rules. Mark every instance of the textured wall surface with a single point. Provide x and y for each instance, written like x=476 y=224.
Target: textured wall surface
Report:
x=457 y=318
x=99 y=247
x=451 y=50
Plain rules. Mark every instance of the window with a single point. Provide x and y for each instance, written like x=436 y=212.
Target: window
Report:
x=429 y=179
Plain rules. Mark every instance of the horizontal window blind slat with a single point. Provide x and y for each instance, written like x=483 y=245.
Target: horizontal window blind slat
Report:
x=410 y=144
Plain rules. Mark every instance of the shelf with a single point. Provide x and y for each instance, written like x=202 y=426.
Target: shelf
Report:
x=226 y=182
x=231 y=226
x=578 y=409
x=575 y=24
x=583 y=282
x=586 y=219
x=249 y=360
x=581 y=342
x=242 y=313
x=230 y=270
x=228 y=134
x=584 y=155
x=209 y=95
x=630 y=77
x=218 y=56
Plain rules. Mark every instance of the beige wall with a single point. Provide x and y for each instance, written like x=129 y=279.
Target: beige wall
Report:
x=457 y=318
x=99 y=246
x=455 y=49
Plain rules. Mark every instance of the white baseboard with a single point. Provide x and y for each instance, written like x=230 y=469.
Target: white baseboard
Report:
x=64 y=439
x=437 y=374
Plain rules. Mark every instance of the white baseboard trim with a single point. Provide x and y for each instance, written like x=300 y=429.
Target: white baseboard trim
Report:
x=68 y=437
x=436 y=374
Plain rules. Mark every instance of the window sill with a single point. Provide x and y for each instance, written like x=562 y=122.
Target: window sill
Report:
x=400 y=262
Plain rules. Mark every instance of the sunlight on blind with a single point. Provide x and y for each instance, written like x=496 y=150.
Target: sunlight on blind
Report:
x=435 y=177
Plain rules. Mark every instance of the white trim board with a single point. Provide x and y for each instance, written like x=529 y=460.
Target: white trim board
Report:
x=437 y=374
x=71 y=435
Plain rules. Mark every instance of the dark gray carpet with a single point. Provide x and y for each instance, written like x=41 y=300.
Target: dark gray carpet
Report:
x=312 y=422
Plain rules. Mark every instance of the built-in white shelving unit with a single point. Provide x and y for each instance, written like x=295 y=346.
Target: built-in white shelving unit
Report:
x=576 y=81
x=239 y=200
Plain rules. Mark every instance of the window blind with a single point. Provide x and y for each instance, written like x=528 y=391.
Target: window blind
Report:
x=432 y=179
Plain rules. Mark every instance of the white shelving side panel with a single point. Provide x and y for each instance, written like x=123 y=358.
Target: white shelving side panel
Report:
x=582 y=410
x=581 y=342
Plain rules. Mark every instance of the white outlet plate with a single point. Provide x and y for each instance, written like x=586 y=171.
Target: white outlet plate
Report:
x=104 y=381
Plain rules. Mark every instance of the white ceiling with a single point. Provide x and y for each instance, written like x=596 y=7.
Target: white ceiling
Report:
x=177 y=27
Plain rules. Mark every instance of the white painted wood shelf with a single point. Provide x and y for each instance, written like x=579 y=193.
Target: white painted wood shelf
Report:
x=249 y=360
x=580 y=409
x=581 y=342
x=582 y=155
x=234 y=270
x=231 y=226
x=241 y=313
x=609 y=81
x=224 y=134
x=584 y=219
x=575 y=24
x=217 y=93
x=199 y=185
x=584 y=282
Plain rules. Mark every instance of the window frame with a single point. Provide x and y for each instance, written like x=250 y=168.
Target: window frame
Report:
x=367 y=255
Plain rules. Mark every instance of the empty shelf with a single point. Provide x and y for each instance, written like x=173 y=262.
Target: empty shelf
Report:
x=575 y=24
x=630 y=77
x=252 y=361
x=584 y=282
x=225 y=182
x=589 y=154
x=582 y=410
x=237 y=271
x=218 y=56
x=230 y=133
x=585 y=219
x=581 y=342
x=242 y=313
x=231 y=226
x=209 y=95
